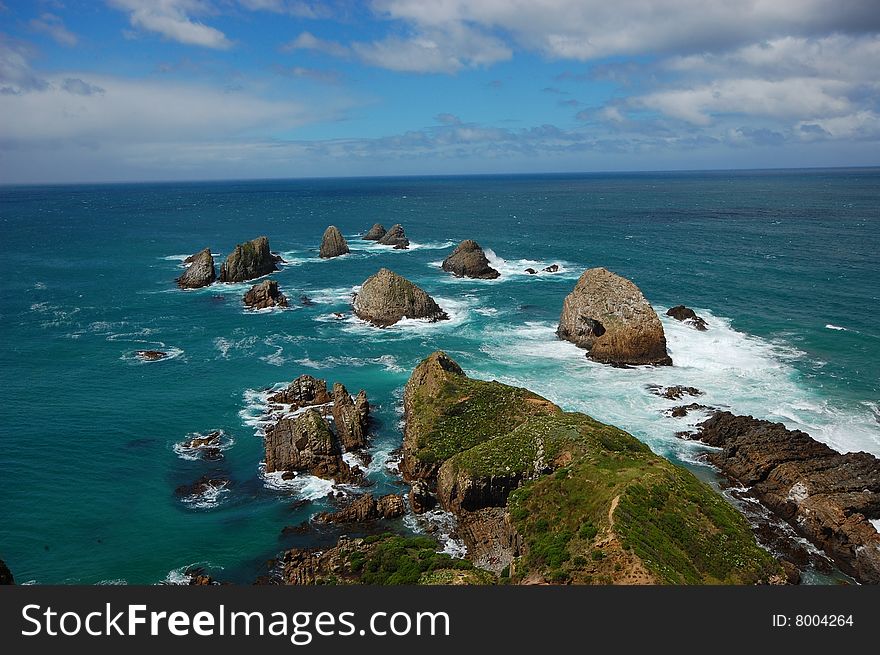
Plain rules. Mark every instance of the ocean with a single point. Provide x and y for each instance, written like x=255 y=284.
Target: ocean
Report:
x=783 y=265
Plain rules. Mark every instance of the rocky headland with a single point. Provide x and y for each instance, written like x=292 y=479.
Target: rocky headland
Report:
x=333 y=244
x=469 y=260
x=608 y=315
x=386 y=297
x=249 y=260
x=265 y=295
x=200 y=271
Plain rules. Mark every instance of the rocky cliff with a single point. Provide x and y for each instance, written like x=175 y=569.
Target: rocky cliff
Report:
x=200 y=271
x=469 y=260
x=249 y=260
x=333 y=243
x=386 y=297
x=608 y=315
x=828 y=497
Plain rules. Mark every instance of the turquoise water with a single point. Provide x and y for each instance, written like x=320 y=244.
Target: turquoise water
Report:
x=783 y=265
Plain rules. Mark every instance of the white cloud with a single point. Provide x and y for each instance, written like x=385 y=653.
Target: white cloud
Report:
x=54 y=27
x=16 y=74
x=171 y=19
x=308 y=41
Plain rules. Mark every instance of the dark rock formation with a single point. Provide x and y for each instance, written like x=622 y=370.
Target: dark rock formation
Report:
x=198 y=577
x=683 y=410
x=200 y=271
x=265 y=295
x=333 y=244
x=386 y=297
x=5 y=574
x=553 y=268
x=686 y=314
x=305 y=391
x=827 y=497
x=305 y=301
x=150 y=355
x=375 y=233
x=395 y=237
x=248 y=261
x=676 y=392
x=350 y=417
x=469 y=260
x=366 y=508
x=204 y=484
x=531 y=271
x=609 y=316
x=305 y=443
x=421 y=499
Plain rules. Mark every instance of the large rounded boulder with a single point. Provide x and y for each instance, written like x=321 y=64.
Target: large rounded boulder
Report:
x=386 y=297
x=249 y=260
x=333 y=244
x=608 y=315
x=469 y=260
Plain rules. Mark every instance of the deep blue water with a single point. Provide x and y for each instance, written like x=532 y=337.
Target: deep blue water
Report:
x=783 y=265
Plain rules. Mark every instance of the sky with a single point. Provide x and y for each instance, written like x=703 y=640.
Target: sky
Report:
x=136 y=90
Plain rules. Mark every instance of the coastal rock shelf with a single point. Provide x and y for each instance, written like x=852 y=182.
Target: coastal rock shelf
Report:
x=827 y=497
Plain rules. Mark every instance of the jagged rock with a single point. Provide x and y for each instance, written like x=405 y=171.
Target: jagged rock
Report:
x=421 y=499
x=553 y=268
x=265 y=295
x=198 y=577
x=366 y=508
x=688 y=315
x=305 y=391
x=386 y=297
x=200 y=271
x=469 y=260
x=212 y=439
x=202 y=485
x=305 y=443
x=150 y=355
x=391 y=506
x=333 y=244
x=827 y=497
x=350 y=417
x=676 y=392
x=683 y=410
x=491 y=539
x=395 y=237
x=375 y=233
x=248 y=261
x=5 y=574
x=609 y=316
x=531 y=271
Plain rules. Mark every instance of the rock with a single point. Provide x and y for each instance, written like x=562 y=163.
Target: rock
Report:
x=469 y=260
x=395 y=237
x=366 y=508
x=209 y=440
x=827 y=497
x=386 y=297
x=350 y=417
x=150 y=355
x=375 y=233
x=204 y=484
x=303 y=528
x=390 y=506
x=303 y=443
x=421 y=499
x=686 y=314
x=531 y=271
x=5 y=574
x=198 y=577
x=675 y=392
x=200 y=272
x=333 y=244
x=265 y=295
x=553 y=268
x=683 y=410
x=248 y=261
x=609 y=316
x=305 y=301
x=305 y=391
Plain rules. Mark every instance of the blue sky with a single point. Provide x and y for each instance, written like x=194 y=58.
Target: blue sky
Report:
x=211 y=89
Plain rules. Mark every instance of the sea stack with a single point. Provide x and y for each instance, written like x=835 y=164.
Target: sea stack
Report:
x=200 y=272
x=687 y=315
x=333 y=244
x=265 y=295
x=375 y=233
x=608 y=315
x=395 y=237
x=469 y=260
x=249 y=260
x=386 y=297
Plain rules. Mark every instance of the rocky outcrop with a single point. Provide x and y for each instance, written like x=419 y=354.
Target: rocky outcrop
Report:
x=150 y=355
x=827 y=497
x=608 y=315
x=675 y=392
x=395 y=237
x=249 y=260
x=5 y=574
x=531 y=271
x=305 y=391
x=366 y=508
x=421 y=499
x=469 y=260
x=553 y=268
x=200 y=271
x=491 y=539
x=386 y=297
x=350 y=417
x=333 y=243
x=265 y=295
x=375 y=233
x=687 y=315
x=203 y=485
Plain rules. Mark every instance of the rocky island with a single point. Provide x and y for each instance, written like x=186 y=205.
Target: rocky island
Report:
x=200 y=271
x=249 y=260
x=265 y=295
x=374 y=233
x=469 y=260
x=386 y=297
x=333 y=244
x=395 y=237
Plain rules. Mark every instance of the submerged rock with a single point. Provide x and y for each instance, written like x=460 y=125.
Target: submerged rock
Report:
x=249 y=260
x=200 y=272
x=350 y=417
x=333 y=243
x=827 y=497
x=395 y=237
x=375 y=233
x=151 y=355
x=608 y=315
x=305 y=301
x=553 y=268
x=386 y=297
x=201 y=486
x=5 y=574
x=469 y=260
x=687 y=315
x=265 y=295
